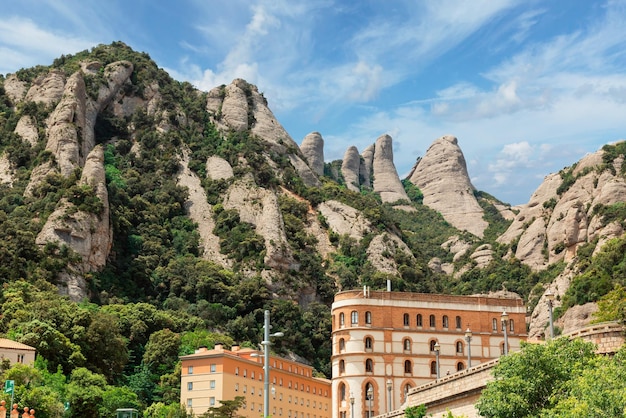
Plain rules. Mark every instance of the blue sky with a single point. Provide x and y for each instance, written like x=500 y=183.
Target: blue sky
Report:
x=528 y=87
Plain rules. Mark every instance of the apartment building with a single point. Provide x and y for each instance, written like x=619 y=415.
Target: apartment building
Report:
x=385 y=343
x=209 y=376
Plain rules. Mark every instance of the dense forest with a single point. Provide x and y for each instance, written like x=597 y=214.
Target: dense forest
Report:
x=157 y=297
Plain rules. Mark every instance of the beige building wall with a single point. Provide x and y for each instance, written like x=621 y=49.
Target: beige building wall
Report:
x=16 y=352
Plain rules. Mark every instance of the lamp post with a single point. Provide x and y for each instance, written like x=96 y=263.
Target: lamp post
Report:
x=351 y=404
x=266 y=362
x=505 y=320
x=370 y=398
x=550 y=297
x=389 y=386
x=468 y=338
x=437 y=348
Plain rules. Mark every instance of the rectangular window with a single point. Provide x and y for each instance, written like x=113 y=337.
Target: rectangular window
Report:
x=213 y=368
x=189 y=385
x=190 y=370
x=212 y=401
x=189 y=403
x=20 y=358
x=212 y=384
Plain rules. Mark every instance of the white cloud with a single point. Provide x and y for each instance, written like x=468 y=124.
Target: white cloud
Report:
x=23 y=43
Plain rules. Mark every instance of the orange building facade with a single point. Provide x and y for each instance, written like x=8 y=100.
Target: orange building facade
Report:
x=387 y=342
x=209 y=376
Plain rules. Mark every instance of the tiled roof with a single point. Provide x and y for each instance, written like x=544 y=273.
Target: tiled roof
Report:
x=14 y=345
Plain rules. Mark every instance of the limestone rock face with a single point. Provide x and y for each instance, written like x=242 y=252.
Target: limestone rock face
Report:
x=88 y=234
x=6 y=172
x=534 y=209
x=442 y=177
x=27 y=128
x=201 y=212
x=483 y=255
x=530 y=245
x=386 y=181
x=344 y=220
x=313 y=150
x=456 y=246
x=365 y=172
x=308 y=177
x=350 y=168
x=235 y=107
x=116 y=75
x=65 y=123
x=218 y=168
x=240 y=106
x=565 y=221
x=577 y=317
x=47 y=88
x=14 y=88
x=259 y=207
x=383 y=244
x=75 y=115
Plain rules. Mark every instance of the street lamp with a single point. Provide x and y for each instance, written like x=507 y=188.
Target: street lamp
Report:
x=468 y=338
x=370 y=398
x=550 y=297
x=389 y=386
x=437 y=348
x=505 y=321
x=266 y=362
x=352 y=404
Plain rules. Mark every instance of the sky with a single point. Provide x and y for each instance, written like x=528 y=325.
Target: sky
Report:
x=528 y=87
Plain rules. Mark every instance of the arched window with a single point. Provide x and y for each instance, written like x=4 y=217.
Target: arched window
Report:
x=368 y=317
x=368 y=388
x=458 y=322
x=432 y=321
x=419 y=320
x=406 y=319
x=432 y=344
x=342 y=319
x=459 y=347
x=405 y=391
x=445 y=321
x=408 y=367
x=511 y=325
x=354 y=317
x=460 y=366
x=494 y=325
x=502 y=348
x=342 y=345
x=369 y=365
x=342 y=366
x=407 y=344
x=342 y=391
x=433 y=367
x=368 y=343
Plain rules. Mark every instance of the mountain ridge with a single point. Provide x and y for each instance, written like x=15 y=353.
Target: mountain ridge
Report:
x=132 y=185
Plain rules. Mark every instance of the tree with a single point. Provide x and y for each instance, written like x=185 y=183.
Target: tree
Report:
x=162 y=351
x=526 y=382
x=415 y=411
x=118 y=397
x=161 y=410
x=227 y=409
x=599 y=392
x=85 y=393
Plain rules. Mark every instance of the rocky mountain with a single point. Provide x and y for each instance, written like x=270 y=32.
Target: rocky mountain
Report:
x=441 y=174
x=132 y=184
